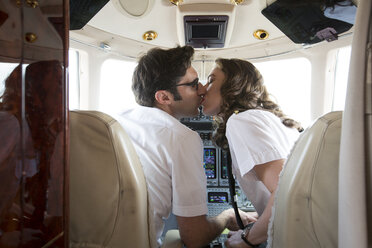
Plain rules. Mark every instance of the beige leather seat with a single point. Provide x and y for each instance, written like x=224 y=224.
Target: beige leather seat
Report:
x=306 y=205
x=108 y=195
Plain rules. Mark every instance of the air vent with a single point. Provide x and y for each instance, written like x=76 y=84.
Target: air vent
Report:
x=205 y=31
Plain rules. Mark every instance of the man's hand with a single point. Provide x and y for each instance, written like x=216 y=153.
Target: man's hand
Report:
x=247 y=217
x=235 y=241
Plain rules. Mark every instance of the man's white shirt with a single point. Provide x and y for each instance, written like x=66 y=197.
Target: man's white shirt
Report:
x=171 y=155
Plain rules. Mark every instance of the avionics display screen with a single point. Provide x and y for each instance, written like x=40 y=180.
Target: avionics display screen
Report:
x=218 y=197
x=224 y=174
x=205 y=31
x=210 y=163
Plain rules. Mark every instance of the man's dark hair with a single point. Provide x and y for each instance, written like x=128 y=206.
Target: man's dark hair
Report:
x=160 y=69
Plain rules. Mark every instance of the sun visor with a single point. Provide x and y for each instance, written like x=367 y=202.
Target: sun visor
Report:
x=82 y=11
x=309 y=23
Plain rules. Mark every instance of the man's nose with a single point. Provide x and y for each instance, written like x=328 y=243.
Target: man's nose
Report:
x=202 y=89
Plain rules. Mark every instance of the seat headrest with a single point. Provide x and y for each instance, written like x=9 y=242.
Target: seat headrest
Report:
x=305 y=212
x=108 y=195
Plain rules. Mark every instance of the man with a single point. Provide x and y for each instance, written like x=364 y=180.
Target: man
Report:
x=167 y=88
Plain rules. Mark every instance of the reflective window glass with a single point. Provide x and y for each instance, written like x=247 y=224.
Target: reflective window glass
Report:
x=5 y=70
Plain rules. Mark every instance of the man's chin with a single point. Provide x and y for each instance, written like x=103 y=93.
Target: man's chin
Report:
x=204 y=111
x=200 y=110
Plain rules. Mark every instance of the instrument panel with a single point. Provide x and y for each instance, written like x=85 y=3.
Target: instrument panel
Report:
x=215 y=166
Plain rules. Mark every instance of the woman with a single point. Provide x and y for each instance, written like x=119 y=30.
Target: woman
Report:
x=257 y=133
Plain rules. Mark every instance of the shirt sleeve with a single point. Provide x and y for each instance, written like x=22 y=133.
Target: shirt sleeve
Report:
x=251 y=142
x=188 y=178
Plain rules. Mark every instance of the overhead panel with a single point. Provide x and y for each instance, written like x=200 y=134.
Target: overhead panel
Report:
x=205 y=31
x=195 y=27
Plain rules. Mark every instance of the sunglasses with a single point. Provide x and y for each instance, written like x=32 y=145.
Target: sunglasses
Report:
x=194 y=84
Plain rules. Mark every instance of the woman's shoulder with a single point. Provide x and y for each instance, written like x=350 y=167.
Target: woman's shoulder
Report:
x=251 y=115
x=253 y=119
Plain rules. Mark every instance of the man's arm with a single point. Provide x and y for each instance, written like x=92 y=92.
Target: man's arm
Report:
x=199 y=231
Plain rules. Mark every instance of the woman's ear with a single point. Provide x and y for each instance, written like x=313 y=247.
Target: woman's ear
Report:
x=163 y=97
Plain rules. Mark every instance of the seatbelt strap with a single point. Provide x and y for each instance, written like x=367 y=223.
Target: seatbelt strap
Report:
x=234 y=197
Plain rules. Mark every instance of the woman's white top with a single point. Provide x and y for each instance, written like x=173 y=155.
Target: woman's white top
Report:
x=257 y=137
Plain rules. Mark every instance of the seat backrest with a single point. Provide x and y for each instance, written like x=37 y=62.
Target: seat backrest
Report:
x=108 y=195
x=305 y=212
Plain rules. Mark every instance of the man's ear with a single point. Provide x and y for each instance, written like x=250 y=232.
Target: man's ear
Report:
x=163 y=97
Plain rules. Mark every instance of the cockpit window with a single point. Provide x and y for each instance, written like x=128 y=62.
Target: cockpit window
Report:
x=116 y=86
x=341 y=77
x=74 y=79
x=289 y=83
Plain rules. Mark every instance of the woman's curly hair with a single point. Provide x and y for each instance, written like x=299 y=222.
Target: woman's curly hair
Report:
x=243 y=89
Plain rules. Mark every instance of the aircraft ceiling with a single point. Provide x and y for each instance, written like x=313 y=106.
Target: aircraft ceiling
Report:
x=121 y=24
